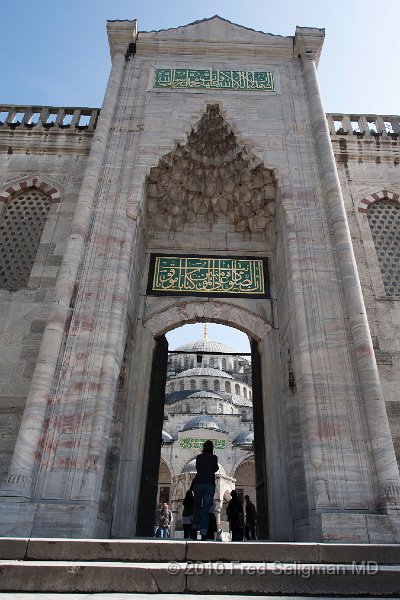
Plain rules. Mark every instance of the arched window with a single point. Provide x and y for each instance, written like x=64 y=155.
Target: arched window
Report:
x=220 y=408
x=384 y=221
x=191 y=363
x=250 y=395
x=204 y=408
x=223 y=364
x=244 y=415
x=204 y=384
x=216 y=385
x=227 y=386
x=245 y=392
x=187 y=407
x=21 y=229
x=192 y=384
x=181 y=385
x=186 y=362
x=237 y=389
x=212 y=361
x=172 y=387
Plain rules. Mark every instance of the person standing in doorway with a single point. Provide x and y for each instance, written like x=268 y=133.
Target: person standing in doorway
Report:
x=235 y=515
x=204 y=488
x=187 y=514
x=250 y=521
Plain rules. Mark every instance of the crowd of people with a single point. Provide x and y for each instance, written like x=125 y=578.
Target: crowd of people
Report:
x=199 y=508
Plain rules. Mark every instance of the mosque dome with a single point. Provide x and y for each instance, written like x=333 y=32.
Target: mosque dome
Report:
x=206 y=345
x=202 y=422
x=245 y=438
x=166 y=438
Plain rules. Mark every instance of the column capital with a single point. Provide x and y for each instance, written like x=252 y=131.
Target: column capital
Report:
x=120 y=35
x=308 y=42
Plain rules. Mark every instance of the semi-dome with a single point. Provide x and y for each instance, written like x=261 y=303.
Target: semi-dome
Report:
x=207 y=372
x=239 y=400
x=246 y=438
x=167 y=438
x=202 y=422
x=204 y=394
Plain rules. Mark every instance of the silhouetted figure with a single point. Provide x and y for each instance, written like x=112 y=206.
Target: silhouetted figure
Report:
x=187 y=514
x=235 y=515
x=251 y=519
x=204 y=488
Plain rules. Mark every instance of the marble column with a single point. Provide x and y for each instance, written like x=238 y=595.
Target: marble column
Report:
x=380 y=439
x=27 y=452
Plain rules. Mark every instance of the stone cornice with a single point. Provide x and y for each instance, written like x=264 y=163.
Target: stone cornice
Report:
x=120 y=35
x=308 y=42
x=281 y=50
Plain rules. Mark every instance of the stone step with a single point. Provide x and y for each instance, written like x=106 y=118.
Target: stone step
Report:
x=153 y=566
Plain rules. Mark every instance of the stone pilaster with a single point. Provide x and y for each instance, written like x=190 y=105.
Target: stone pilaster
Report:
x=381 y=447
x=28 y=448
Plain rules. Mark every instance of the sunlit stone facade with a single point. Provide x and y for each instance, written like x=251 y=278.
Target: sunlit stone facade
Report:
x=236 y=158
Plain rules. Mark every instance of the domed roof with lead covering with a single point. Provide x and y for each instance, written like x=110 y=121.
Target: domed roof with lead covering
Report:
x=204 y=394
x=202 y=422
x=206 y=345
x=207 y=371
x=246 y=438
x=190 y=467
x=166 y=438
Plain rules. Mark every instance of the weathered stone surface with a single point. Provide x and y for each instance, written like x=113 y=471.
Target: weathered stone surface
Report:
x=202 y=171
x=105 y=550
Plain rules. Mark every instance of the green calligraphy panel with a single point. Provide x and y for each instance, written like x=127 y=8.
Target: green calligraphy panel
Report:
x=197 y=443
x=205 y=275
x=210 y=79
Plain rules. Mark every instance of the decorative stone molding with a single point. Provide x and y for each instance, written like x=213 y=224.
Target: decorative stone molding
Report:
x=209 y=311
x=27 y=184
x=384 y=194
x=208 y=178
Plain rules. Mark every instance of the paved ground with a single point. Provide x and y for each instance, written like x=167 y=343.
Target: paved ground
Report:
x=111 y=596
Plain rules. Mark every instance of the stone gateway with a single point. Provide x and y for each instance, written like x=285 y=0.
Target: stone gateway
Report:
x=216 y=157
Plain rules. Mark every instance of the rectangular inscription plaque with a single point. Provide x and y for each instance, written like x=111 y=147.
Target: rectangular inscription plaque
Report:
x=210 y=79
x=198 y=443
x=208 y=276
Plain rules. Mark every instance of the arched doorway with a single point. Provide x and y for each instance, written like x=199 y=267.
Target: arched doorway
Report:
x=210 y=195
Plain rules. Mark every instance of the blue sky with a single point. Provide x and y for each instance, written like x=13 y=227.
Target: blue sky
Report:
x=55 y=52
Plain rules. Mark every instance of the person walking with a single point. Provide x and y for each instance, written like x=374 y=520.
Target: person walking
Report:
x=204 y=488
x=235 y=515
x=187 y=514
x=250 y=521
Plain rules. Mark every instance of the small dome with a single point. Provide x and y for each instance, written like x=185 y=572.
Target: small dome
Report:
x=166 y=438
x=190 y=467
x=202 y=422
x=246 y=438
x=205 y=395
x=203 y=373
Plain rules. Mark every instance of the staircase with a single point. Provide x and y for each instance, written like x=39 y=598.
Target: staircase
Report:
x=153 y=566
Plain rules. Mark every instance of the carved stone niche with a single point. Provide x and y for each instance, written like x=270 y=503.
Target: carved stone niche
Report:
x=208 y=178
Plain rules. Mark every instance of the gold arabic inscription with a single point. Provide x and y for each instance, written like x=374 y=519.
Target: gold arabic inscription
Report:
x=178 y=274
x=260 y=81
